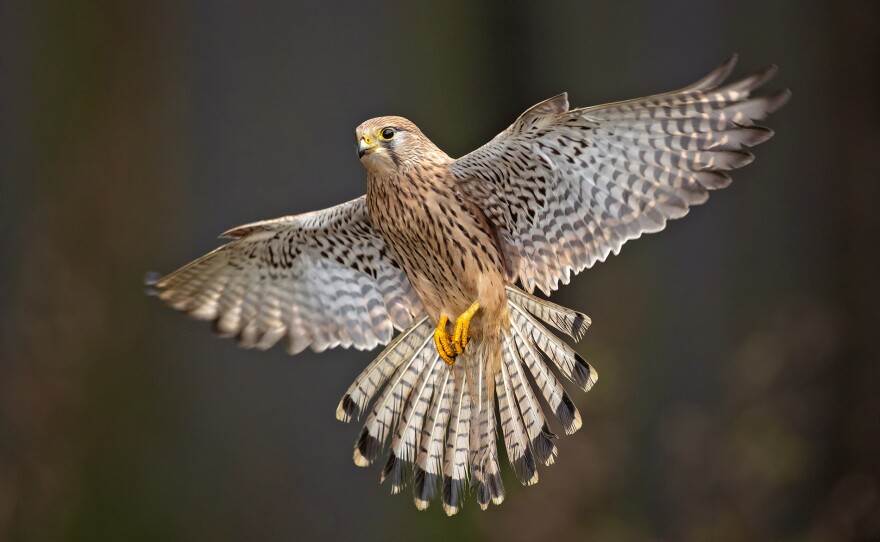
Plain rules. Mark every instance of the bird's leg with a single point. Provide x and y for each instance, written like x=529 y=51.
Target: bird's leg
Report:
x=462 y=333
x=441 y=341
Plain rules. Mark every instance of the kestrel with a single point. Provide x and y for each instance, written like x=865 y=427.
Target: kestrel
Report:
x=435 y=250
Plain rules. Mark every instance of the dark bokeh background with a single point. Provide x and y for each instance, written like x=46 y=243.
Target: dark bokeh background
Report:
x=738 y=352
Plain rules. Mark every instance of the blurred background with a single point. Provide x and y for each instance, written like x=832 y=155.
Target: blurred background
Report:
x=737 y=350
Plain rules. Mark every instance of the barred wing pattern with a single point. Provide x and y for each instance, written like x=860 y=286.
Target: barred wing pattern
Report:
x=565 y=188
x=319 y=279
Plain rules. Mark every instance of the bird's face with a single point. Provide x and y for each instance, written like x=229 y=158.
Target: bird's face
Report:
x=385 y=143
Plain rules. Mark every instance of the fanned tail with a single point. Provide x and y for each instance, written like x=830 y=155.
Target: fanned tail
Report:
x=439 y=420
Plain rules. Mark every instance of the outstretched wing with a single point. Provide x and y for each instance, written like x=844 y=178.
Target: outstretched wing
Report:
x=320 y=279
x=565 y=188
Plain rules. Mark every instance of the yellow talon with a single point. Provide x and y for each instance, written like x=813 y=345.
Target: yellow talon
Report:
x=441 y=341
x=450 y=347
x=462 y=333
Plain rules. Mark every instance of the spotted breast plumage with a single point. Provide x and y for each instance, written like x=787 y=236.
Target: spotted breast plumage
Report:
x=436 y=249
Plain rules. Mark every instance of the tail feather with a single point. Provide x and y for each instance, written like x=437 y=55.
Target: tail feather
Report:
x=441 y=419
x=571 y=322
x=513 y=428
x=484 y=465
x=538 y=431
x=553 y=392
x=429 y=463
x=484 y=459
x=405 y=443
x=390 y=404
x=377 y=373
x=455 y=463
x=569 y=362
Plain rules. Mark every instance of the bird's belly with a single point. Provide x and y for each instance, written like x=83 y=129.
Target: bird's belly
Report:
x=449 y=258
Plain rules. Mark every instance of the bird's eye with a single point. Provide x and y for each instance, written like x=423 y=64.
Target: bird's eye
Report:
x=386 y=133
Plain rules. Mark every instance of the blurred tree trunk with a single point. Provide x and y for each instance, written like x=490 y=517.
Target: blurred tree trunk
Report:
x=94 y=140
x=852 y=509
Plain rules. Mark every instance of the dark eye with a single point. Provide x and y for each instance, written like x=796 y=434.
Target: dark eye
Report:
x=387 y=133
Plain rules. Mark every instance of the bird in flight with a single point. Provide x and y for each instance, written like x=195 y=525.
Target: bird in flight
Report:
x=449 y=252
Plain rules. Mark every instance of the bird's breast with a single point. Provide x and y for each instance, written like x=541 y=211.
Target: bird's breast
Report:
x=444 y=247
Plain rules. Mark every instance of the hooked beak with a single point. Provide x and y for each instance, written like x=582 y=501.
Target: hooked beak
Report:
x=366 y=145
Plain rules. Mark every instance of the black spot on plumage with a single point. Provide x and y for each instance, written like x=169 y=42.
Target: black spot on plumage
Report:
x=542 y=445
x=483 y=495
x=578 y=327
x=546 y=431
x=368 y=445
x=565 y=411
x=271 y=255
x=525 y=467
x=582 y=372
x=453 y=491
x=397 y=471
x=424 y=485
x=496 y=488
x=350 y=408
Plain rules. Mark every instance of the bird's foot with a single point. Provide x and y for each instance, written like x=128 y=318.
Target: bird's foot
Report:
x=462 y=333
x=441 y=341
x=450 y=347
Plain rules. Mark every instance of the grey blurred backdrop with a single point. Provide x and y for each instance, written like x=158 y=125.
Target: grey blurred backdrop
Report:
x=737 y=350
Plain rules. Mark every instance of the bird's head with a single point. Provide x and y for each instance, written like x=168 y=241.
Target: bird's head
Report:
x=387 y=144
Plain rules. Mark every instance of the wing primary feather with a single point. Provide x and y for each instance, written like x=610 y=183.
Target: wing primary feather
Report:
x=716 y=76
x=566 y=190
x=275 y=279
